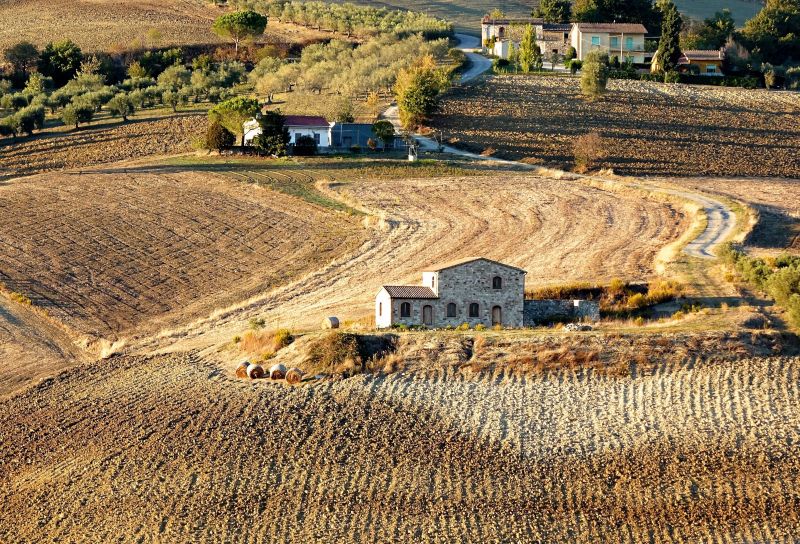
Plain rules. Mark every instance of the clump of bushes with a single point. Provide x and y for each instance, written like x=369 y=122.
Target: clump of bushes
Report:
x=336 y=353
x=219 y=137
x=589 y=150
x=779 y=277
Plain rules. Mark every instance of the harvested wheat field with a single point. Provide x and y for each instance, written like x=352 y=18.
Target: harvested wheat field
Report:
x=100 y=143
x=648 y=128
x=114 y=25
x=776 y=201
x=558 y=230
x=118 y=251
x=170 y=449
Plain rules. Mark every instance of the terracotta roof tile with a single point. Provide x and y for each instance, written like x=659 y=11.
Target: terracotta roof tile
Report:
x=704 y=54
x=409 y=291
x=306 y=121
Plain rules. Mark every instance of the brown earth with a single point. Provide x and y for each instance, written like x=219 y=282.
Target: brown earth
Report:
x=114 y=25
x=112 y=252
x=647 y=128
x=31 y=347
x=170 y=449
x=148 y=133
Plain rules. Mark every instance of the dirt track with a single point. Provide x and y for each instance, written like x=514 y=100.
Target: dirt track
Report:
x=170 y=450
x=557 y=230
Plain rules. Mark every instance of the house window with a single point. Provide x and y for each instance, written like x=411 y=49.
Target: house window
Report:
x=316 y=138
x=405 y=310
x=380 y=308
x=433 y=282
x=474 y=310
x=497 y=282
x=451 y=309
x=711 y=69
x=629 y=43
x=595 y=41
x=614 y=42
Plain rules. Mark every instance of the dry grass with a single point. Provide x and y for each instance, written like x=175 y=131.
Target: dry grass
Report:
x=549 y=227
x=264 y=343
x=647 y=128
x=112 y=25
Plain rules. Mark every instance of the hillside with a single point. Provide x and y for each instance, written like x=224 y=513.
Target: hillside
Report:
x=466 y=14
x=109 y=25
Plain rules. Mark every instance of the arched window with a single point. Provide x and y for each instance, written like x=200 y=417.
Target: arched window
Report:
x=474 y=310
x=405 y=309
x=497 y=282
x=451 y=309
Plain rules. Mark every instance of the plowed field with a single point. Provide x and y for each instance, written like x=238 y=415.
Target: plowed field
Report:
x=115 y=252
x=648 y=128
x=171 y=450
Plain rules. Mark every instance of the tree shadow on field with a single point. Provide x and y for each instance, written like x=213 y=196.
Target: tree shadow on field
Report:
x=775 y=229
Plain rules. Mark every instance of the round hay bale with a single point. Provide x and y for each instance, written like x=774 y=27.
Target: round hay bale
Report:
x=294 y=376
x=255 y=372
x=330 y=323
x=277 y=372
x=241 y=370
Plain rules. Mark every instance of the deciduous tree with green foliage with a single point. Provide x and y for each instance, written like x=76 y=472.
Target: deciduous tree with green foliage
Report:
x=417 y=91
x=240 y=25
x=621 y=11
x=233 y=113
x=61 y=61
x=554 y=11
x=594 y=74
x=384 y=131
x=774 y=33
x=22 y=57
x=74 y=114
x=669 y=45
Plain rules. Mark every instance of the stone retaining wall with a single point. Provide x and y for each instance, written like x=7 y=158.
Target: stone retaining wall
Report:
x=538 y=312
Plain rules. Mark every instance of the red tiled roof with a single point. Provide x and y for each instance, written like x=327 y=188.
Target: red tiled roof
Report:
x=409 y=291
x=459 y=262
x=629 y=28
x=306 y=121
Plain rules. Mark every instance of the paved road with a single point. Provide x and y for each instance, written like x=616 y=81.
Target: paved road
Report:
x=478 y=63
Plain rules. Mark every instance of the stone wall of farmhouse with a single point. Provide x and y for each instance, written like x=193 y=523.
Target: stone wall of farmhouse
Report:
x=539 y=312
x=472 y=283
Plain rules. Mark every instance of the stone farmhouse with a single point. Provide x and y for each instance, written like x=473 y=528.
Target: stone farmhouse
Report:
x=477 y=291
x=497 y=35
x=625 y=40
x=474 y=291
